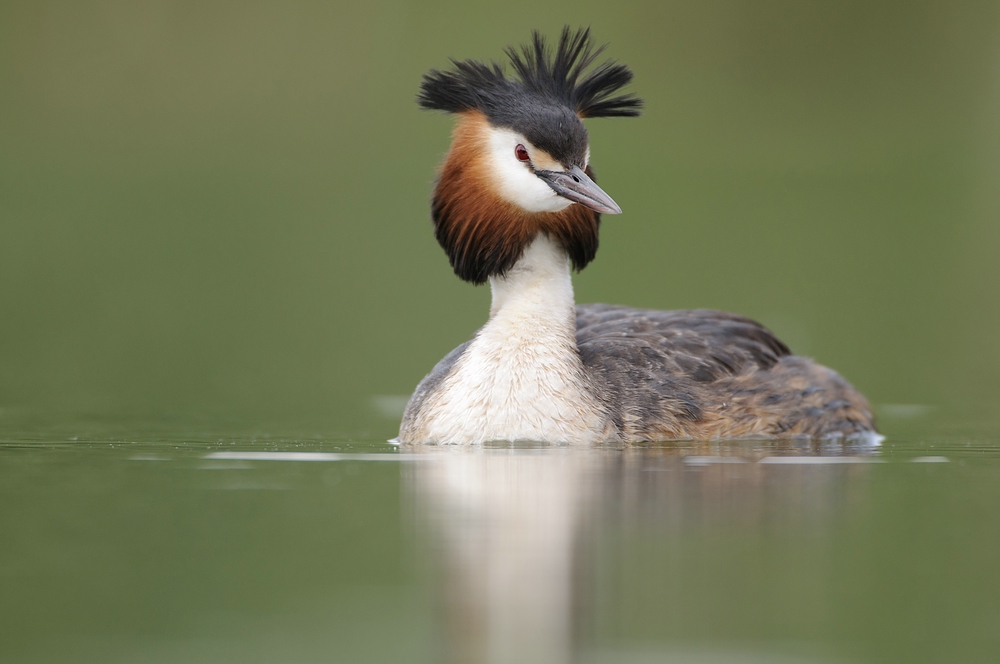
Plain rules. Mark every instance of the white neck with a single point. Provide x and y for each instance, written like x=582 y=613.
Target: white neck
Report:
x=538 y=287
x=521 y=378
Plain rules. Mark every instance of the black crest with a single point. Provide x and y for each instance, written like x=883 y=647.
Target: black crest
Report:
x=552 y=80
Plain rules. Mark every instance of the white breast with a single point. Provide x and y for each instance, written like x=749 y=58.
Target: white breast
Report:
x=521 y=378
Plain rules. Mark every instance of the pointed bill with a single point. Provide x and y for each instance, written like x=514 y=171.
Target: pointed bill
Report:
x=577 y=186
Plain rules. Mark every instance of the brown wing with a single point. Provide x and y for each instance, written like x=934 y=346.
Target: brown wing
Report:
x=702 y=373
x=700 y=343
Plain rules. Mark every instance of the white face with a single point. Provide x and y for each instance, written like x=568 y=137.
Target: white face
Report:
x=515 y=181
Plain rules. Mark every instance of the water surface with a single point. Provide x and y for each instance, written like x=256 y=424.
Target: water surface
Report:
x=187 y=543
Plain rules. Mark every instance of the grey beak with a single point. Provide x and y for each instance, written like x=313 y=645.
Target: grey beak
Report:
x=577 y=186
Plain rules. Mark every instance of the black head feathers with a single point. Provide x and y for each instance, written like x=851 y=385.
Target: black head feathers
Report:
x=542 y=79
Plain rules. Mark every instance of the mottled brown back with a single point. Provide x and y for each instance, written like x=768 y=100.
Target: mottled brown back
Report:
x=709 y=374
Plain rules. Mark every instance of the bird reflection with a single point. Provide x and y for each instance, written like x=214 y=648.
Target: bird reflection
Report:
x=518 y=536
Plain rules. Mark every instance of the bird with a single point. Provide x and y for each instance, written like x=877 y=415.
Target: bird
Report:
x=516 y=205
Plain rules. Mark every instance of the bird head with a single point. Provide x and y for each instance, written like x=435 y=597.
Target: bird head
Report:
x=519 y=163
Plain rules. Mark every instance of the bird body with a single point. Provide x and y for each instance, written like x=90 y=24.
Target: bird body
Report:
x=516 y=206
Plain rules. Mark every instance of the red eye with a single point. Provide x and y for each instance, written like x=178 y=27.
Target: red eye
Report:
x=521 y=153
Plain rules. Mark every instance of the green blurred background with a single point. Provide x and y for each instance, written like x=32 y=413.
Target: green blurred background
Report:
x=220 y=208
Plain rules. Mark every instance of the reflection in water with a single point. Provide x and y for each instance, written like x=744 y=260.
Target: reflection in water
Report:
x=505 y=522
x=516 y=533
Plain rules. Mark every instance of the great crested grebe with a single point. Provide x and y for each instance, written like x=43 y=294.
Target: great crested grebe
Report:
x=516 y=205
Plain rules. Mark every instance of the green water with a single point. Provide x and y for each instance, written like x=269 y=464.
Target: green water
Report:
x=167 y=546
x=214 y=237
